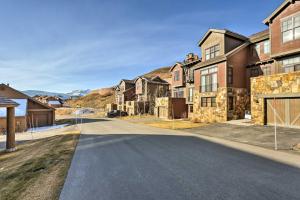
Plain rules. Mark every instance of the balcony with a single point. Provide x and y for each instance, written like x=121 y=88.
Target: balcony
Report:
x=209 y=88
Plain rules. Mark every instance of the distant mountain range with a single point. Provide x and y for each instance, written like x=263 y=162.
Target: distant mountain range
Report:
x=62 y=95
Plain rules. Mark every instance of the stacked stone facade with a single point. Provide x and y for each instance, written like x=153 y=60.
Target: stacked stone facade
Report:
x=274 y=86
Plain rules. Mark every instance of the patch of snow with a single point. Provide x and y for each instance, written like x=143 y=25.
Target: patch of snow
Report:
x=46 y=128
x=20 y=110
x=54 y=102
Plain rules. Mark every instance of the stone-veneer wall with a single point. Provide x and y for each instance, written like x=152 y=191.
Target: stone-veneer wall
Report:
x=163 y=102
x=220 y=113
x=131 y=108
x=278 y=84
x=211 y=114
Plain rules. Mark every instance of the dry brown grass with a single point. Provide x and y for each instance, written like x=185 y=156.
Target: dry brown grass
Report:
x=174 y=124
x=93 y=100
x=38 y=168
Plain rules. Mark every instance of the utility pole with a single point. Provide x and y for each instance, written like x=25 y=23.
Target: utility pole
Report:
x=275 y=123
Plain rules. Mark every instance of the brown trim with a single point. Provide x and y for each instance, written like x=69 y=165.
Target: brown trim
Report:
x=284 y=5
x=288 y=53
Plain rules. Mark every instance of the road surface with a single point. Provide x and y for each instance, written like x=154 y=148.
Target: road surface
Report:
x=117 y=160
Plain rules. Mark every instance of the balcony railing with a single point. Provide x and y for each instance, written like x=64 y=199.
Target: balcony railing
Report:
x=209 y=88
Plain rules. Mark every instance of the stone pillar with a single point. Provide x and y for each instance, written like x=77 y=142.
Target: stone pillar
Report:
x=10 y=135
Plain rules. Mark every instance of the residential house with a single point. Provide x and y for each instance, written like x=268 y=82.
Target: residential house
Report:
x=220 y=92
x=124 y=91
x=53 y=101
x=275 y=82
x=182 y=90
x=29 y=113
x=147 y=90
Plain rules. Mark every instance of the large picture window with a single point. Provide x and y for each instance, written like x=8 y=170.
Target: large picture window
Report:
x=290 y=29
x=212 y=52
x=209 y=80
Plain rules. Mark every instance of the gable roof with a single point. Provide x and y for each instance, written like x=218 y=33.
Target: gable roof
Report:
x=26 y=96
x=221 y=58
x=177 y=63
x=155 y=80
x=260 y=36
x=278 y=10
x=222 y=31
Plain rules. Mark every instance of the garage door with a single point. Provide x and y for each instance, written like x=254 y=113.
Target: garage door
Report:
x=285 y=111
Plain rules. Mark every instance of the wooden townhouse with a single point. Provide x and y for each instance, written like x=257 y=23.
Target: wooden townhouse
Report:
x=220 y=89
x=124 y=91
x=275 y=69
x=180 y=102
x=147 y=90
x=29 y=113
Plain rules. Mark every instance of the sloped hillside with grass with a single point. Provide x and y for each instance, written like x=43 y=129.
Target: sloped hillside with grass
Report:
x=100 y=97
x=96 y=99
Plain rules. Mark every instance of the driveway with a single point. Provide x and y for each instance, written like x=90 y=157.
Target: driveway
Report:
x=262 y=136
x=117 y=160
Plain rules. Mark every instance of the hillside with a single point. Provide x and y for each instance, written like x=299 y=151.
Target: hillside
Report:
x=96 y=99
x=100 y=97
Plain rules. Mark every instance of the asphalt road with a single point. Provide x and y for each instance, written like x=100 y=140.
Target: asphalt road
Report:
x=115 y=160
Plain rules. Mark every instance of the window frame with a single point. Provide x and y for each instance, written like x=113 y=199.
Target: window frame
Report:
x=212 y=52
x=268 y=46
x=176 y=75
x=288 y=24
x=208 y=102
x=208 y=75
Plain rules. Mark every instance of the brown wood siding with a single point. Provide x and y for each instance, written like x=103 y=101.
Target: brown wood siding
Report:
x=239 y=62
x=180 y=82
x=20 y=124
x=211 y=40
x=231 y=43
x=277 y=47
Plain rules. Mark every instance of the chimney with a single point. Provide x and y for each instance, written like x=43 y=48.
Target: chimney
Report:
x=191 y=57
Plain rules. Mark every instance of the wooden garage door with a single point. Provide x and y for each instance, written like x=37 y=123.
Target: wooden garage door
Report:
x=286 y=111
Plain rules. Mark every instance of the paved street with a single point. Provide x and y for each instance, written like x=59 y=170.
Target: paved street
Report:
x=117 y=160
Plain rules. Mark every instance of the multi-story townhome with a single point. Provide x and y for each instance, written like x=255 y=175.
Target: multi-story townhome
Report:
x=220 y=92
x=182 y=84
x=125 y=91
x=275 y=82
x=147 y=90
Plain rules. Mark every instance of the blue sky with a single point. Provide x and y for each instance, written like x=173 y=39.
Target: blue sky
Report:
x=62 y=45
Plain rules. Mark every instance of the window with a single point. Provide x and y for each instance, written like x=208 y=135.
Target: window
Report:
x=212 y=52
x=191 y=94
x=208 y=102
x=266 y=70
x=291 y=64
x=230 y=75
x=230 y=103
x=254 y=72
x=257 y=49
x=290 y=29
x=209 y=80
x=267 y=46
x=191 y=108
x=176 y=76
x=178 y=93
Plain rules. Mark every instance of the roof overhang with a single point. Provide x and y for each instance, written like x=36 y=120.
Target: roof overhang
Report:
x=222 y=31
x=283 y=6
